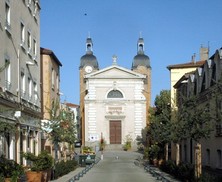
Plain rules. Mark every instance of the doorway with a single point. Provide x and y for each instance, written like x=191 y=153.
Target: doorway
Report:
x=115 y=131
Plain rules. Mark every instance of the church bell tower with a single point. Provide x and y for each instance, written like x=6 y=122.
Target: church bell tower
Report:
x=88 y=64
x=141 y=64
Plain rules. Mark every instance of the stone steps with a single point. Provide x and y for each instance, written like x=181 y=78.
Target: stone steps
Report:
x=118 y=147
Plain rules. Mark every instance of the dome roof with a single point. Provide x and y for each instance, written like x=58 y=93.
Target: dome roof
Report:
x=141 y=60
x=89 y=59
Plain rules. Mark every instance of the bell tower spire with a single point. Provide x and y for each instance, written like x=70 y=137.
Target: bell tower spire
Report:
x=141 y=64
x=89 y=45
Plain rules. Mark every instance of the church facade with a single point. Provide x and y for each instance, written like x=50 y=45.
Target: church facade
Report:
x=114 y=101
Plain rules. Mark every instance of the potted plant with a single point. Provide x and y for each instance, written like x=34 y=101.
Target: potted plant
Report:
x=10 y=170
x=40 y=168
x=153 y=153
x=128 y=142
x=102 y=144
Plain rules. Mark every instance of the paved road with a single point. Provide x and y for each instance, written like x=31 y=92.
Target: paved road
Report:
x=122 y=169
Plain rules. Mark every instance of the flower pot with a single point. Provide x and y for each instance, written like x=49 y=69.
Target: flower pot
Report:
x=34 y=176
x=7 y=179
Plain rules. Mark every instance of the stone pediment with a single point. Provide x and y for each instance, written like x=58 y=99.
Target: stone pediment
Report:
x=115 y=72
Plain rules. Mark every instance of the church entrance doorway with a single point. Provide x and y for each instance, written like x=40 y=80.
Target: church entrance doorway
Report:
x=115 y=131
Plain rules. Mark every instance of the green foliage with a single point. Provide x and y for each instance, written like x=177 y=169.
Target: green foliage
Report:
x=195 y=119
x=154 y=152
x=87 y=150
x=6 y=127
x=183 y=171
x=168 y=166
x=159 y=128
x=10 y=169
x=61 y=126
x=146 y=153
x=62 y=168
x=127 y=142
x=140 y=143
x=206 y=177
x=41 y=162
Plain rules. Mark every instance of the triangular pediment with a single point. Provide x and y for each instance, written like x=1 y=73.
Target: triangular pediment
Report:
x=115 y=72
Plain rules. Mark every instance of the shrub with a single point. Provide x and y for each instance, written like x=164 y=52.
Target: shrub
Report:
x=146 y=153
x=127 y=142
x=168 y=166
x=184 y=171
x=10 y=169
x=206 y=177
x=62 y=167
x=41 y=162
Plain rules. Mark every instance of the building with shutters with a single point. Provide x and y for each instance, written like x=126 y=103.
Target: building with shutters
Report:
x=20 y=97
x=114 y=101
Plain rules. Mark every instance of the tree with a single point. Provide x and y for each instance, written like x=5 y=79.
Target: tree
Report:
x=160 y=125
x=195 y=122
x=61 y=126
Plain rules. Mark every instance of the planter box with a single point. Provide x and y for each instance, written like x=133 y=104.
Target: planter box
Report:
x=40 y=176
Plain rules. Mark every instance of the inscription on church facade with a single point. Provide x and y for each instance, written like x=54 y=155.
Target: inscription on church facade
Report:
x=115 y=110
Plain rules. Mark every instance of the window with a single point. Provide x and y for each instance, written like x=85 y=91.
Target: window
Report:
x=35 y=9
x=34 y=47
x=185 y=153
x=30 y=88
x=35 y=92
x=7 y=16
x=53 y=79
x=22 y=85
x=29 y=42
x=22 y=34
x=219 y=159
x=29 y=4
x=203 y=86
x=115 y=94
x=7 y=74
x=208 y=157
x=213 y=78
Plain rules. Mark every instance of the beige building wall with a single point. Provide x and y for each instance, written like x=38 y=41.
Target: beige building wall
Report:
x=51 y=89
x=50 y=79
x=176 y=72
x=208 y=93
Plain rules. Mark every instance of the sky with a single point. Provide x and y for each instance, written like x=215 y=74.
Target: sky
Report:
x=173 y=30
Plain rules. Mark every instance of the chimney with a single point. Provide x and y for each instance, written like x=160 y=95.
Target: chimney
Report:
x=193 y=58
x=204 y=53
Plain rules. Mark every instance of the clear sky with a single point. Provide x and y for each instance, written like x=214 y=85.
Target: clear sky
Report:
x=173 y=30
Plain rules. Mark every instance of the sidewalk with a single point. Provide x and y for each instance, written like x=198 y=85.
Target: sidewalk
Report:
x=68 y=176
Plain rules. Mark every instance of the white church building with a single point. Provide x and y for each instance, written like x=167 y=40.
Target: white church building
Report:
x=114 y=100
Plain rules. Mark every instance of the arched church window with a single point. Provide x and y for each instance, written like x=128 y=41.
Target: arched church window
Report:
x=115 y=94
